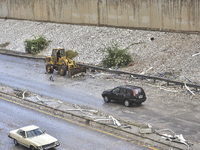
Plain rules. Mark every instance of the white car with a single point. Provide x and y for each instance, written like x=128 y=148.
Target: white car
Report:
x=33 y=137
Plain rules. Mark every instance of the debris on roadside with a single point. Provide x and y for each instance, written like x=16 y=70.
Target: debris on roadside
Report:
x=115 y=121
x=146 y=129
x=109 y=118
x=173 y=137
x=21 y=93
x=145 y=71
x=195 y=54
x=188 y=79
x=56 y=103
x=112 y=121
x=80 y=75
x=40 y=99
x=170 y=74
x=18 y=92
x=88 y=112
x=189 y=90
x=167 y=89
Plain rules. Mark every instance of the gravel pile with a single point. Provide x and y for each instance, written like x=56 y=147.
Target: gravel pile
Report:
x=168 y=54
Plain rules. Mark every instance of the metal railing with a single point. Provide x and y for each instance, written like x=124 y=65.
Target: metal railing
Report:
x=143 y=76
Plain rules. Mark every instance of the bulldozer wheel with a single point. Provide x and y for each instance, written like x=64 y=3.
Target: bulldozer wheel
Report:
x=62 y=70
x=48 y=68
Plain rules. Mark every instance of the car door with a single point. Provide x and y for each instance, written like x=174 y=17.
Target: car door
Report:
x=115 y=94
x=22 y=138
x=122 y=94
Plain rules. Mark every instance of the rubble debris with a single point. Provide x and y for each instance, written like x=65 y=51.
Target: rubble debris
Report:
x=18 y=92
x=161 y=74
x=116 y=122
x=195 y=54
x=39 y=99
x=188 y=79
x=84 y=111
x=116 y=68
x=127 y=126
x=102 y=119
x=42 y=101
x=173 y=137
x=23 y=94
x=168 y=90
x=110 y=118
x=145 y=71
x=92 y=70
x=146 y=129
x=189 y=90
x=169 y=74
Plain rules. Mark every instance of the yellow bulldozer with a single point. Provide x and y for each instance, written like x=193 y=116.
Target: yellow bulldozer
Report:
x=62 y=64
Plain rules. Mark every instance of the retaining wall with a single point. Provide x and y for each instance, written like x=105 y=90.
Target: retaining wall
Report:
x=173 y=15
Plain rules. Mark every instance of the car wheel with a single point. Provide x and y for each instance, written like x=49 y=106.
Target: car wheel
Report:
x=106 y=99
x=127 y=103
x=16 y=143
x=32 y=148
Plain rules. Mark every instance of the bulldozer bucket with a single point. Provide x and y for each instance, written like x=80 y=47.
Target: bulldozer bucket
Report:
x=77 y=70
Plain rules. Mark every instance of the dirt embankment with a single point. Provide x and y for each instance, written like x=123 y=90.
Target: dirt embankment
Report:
x=168 y=54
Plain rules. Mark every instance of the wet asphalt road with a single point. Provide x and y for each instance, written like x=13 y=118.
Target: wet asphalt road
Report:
x=70 y=135
x=162 y=109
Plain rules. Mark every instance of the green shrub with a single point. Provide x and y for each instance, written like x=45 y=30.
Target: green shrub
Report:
x=36 y=45
x=116 y=57
x=71 y=54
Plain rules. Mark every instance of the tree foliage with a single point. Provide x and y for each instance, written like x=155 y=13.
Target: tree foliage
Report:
x=116 y=57
x=36 y=45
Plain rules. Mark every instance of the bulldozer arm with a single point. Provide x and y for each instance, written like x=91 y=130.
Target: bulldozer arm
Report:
x=73 y=71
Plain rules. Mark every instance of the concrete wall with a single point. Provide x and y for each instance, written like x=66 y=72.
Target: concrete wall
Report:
x=177 y=15
x=66 y=11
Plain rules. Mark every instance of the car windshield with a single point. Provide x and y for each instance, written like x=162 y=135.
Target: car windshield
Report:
x=35 y=132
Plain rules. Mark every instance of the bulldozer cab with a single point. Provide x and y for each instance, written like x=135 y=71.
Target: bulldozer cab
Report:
x=57 y=54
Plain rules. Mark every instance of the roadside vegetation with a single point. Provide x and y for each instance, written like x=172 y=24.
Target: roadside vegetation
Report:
x=116 y=57
x=36 y=45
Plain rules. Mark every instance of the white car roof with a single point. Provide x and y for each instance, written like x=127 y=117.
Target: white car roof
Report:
x=28 y=128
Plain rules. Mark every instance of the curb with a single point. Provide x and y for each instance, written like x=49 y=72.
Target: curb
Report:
x=19 y=54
